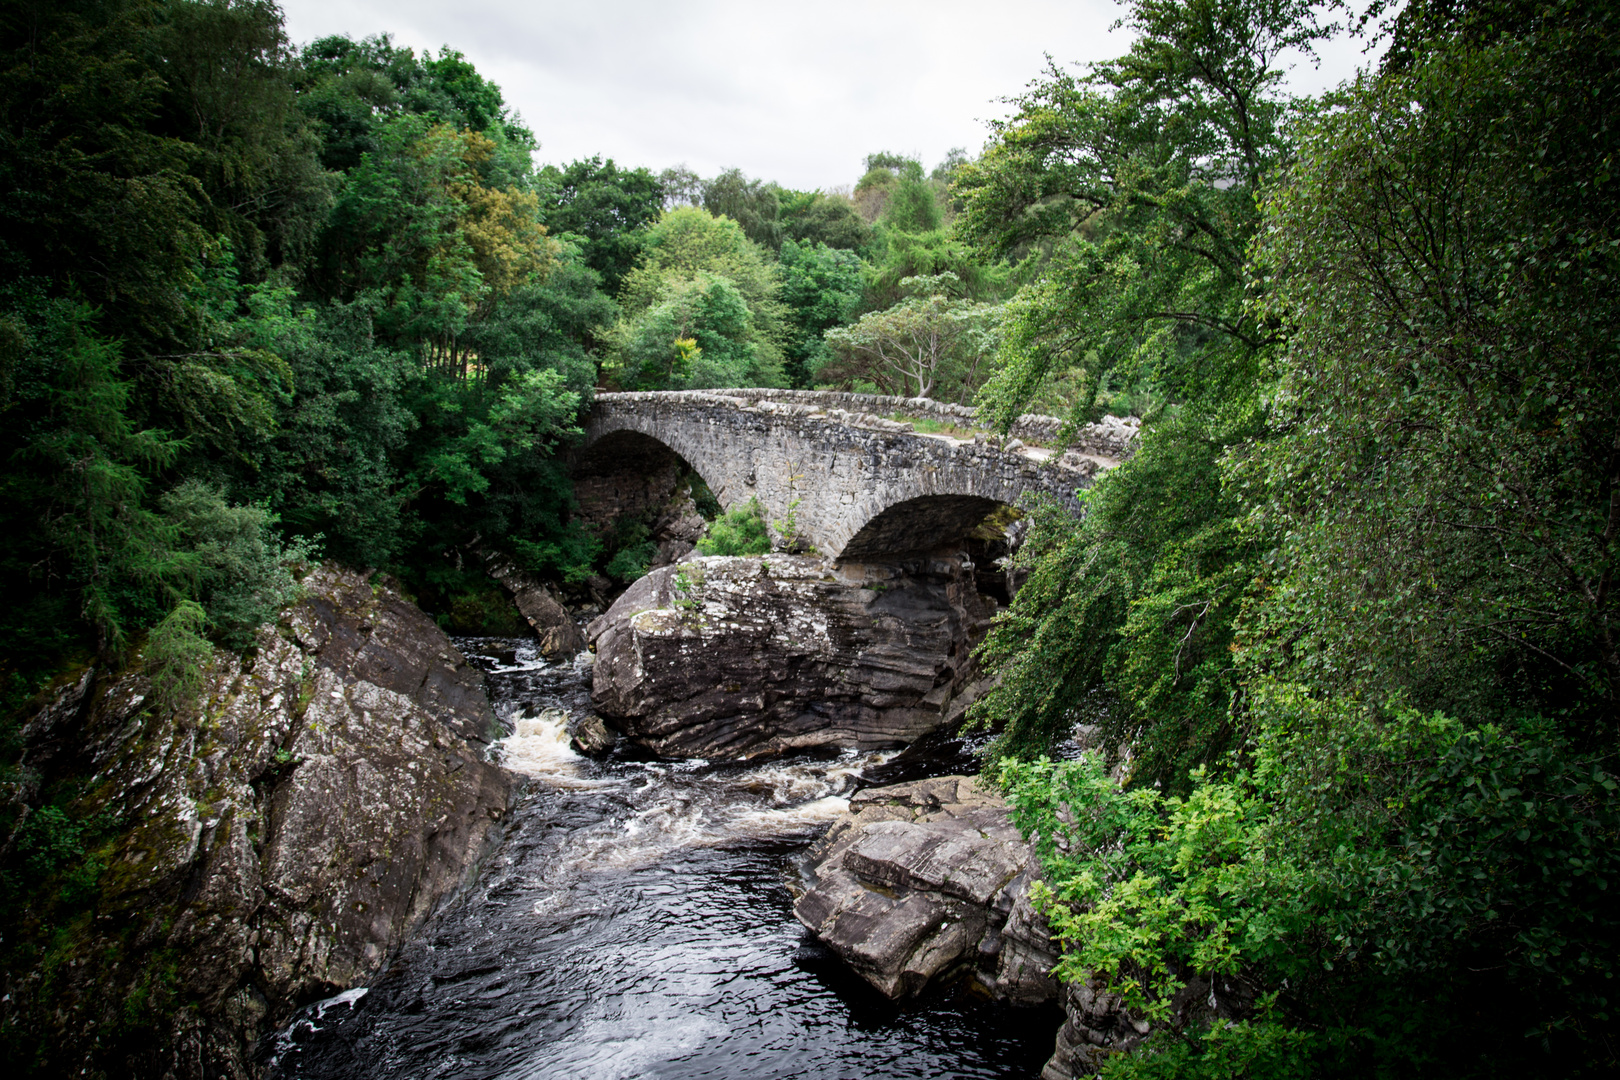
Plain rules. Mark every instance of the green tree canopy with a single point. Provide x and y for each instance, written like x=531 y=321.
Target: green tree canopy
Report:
x=818 y=218
x=608 y=207
x=1417 y=685
x=688 y=242
x=753 y=204
x=821 y=288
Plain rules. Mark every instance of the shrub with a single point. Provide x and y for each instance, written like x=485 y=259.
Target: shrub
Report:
x=740 y=531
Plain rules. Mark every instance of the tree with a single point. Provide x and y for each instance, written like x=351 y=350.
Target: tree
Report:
x=818 y=217
x=681 y=187
x=1422 y=801
x=700 y=335
x=355 y=88
x=912 y=206
x=227 y=70
x=752 y=204
x=689 y=243
x=821 y=287
x=416 y=224
x=1142 y=178
x=609 y=208
x=929 y=340
x=1449 y=378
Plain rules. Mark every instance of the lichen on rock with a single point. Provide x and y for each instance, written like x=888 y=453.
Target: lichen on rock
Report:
x=735 y=656
x=276 y=841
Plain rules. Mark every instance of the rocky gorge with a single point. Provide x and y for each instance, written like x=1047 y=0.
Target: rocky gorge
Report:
x=270 y=841
x=290 y=831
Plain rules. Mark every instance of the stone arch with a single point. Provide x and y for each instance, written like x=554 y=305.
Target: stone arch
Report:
x=851 y=487
x=921 y=523
x=626 y=472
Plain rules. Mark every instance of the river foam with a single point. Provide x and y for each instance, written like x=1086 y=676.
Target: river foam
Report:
x=634 y=923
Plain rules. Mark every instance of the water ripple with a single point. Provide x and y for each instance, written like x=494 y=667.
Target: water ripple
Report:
x=634 y=924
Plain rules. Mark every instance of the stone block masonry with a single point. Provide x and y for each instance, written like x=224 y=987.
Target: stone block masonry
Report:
x=848 y=483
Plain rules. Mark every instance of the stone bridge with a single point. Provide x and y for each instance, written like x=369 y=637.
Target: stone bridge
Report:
x=840 y=471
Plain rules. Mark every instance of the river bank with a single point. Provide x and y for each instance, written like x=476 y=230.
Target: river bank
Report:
x=634 y=922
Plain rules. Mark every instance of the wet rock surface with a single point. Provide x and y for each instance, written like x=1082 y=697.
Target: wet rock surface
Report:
x=284 y=834
x=558 y=634
x=926 y=880
x=724 y=657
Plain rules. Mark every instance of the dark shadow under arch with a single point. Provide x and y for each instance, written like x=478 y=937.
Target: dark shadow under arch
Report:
x=627 y=473
x=921 y=524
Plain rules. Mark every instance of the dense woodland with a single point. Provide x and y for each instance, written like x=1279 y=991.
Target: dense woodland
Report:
x=1343 y=627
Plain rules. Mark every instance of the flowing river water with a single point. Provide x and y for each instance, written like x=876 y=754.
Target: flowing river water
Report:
x=634 y=922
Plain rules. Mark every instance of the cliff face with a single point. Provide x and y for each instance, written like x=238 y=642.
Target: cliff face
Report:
x=274 y=841
x=729 y=657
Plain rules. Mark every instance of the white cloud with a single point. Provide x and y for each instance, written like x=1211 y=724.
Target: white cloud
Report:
x=795 y=94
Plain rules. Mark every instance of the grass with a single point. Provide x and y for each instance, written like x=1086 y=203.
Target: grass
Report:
x=928 y=426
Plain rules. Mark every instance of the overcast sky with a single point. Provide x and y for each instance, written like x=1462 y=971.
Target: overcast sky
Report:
x=794 y=94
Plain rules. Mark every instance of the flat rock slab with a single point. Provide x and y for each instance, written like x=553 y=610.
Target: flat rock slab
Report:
x=923 y=880
x=947 y=857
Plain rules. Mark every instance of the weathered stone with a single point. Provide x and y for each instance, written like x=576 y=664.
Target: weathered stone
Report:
x=924 y=879
x=1111 y=437
x=311 y=808
x=558 y=634
x=671 y=552
x=849 y=484
x=729 y=657
x=589 y=735
x=1098 y=1025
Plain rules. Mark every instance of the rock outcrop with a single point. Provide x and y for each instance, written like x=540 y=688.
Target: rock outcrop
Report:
x=731 y=657
x=276 y=839
x=925 y=880
x=1098 y=1025
x=677 y=529
x=558 y=634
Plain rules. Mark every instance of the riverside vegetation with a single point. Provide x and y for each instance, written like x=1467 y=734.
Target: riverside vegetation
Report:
x=1340 y=633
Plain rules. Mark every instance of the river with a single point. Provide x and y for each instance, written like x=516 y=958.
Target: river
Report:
x=634 y=922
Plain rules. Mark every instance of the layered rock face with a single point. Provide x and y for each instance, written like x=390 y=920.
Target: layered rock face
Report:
x=731 y=657
x=926 y=880
x=285 y=832
x=555 y=629
x=1098 y=1025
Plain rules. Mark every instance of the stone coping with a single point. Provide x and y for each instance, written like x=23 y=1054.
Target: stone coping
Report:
x=1112 y=437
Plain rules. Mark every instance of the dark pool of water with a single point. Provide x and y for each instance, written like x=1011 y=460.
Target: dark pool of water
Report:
x=635 y=922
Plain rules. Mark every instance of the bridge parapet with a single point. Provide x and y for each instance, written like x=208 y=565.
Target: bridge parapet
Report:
x=1112 y=438
x=829 y=473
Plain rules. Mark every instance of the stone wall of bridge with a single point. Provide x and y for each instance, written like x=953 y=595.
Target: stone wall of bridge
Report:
x=1113 y=438
x=853 y=484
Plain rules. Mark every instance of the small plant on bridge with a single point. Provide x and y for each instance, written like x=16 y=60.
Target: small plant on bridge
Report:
x=739 y=531
x=787 y=526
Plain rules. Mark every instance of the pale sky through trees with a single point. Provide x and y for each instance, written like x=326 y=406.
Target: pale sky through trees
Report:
x=793 y=93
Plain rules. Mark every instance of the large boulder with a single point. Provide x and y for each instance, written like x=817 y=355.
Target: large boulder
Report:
x=926 y=880
x=730 y=657
x=278 y=837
